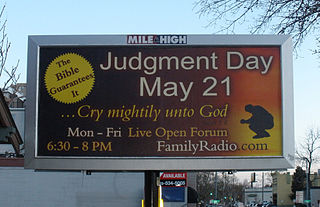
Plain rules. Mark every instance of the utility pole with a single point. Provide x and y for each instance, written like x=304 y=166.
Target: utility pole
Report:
x=307 y=199
x=262 y=187
x=216 y=186
x=307 y=183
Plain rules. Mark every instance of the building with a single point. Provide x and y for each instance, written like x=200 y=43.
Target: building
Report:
x=315 y=196
x=257 y=195
x=281 y=189
x=10 y=137
x=15 y=95
x=20 y=187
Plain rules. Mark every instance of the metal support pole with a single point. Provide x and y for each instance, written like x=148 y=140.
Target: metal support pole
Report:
x=216 y=186
x=262 y=188
x=307 y=183
x=150 y=188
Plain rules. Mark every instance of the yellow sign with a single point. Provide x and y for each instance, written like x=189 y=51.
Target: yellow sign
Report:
x=69 y=78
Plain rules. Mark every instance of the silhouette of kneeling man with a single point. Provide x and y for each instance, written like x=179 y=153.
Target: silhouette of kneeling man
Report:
x=259 y=121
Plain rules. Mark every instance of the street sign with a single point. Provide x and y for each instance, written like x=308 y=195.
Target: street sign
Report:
x=299 y=196
x=173 y=179
x=214 y=201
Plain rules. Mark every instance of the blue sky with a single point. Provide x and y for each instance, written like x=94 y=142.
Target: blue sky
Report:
x=38 y=17
x=35 y=17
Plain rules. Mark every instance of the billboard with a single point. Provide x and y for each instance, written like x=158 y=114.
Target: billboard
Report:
x=159 y=102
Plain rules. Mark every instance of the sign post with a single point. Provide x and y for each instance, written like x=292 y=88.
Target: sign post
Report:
x=151 y=188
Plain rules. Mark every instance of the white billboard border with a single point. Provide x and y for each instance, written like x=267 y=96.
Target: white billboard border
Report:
x=160 y=163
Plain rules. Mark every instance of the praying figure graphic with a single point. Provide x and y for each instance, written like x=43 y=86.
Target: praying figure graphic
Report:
x=260 y=120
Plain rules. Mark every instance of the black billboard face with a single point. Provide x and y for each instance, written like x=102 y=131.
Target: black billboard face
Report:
x=146 y=101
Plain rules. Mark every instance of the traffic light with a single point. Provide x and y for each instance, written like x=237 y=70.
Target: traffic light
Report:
x=211 y=193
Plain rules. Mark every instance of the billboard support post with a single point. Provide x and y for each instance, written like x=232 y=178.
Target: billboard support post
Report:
x=150 y=188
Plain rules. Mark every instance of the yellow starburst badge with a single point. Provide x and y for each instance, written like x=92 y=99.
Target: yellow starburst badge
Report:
x=69 y=78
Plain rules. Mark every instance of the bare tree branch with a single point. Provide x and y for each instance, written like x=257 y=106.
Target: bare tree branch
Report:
x=9 y=77
x=307 y=150
x=295 y=17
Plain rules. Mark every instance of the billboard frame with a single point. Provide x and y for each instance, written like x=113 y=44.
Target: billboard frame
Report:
x=160 y=163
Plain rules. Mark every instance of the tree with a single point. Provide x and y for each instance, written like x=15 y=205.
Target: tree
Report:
x=8 y=76
x=298 y=181
x=228 y=187
x=295 y=17
x=205 y=186
x=306 y=151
